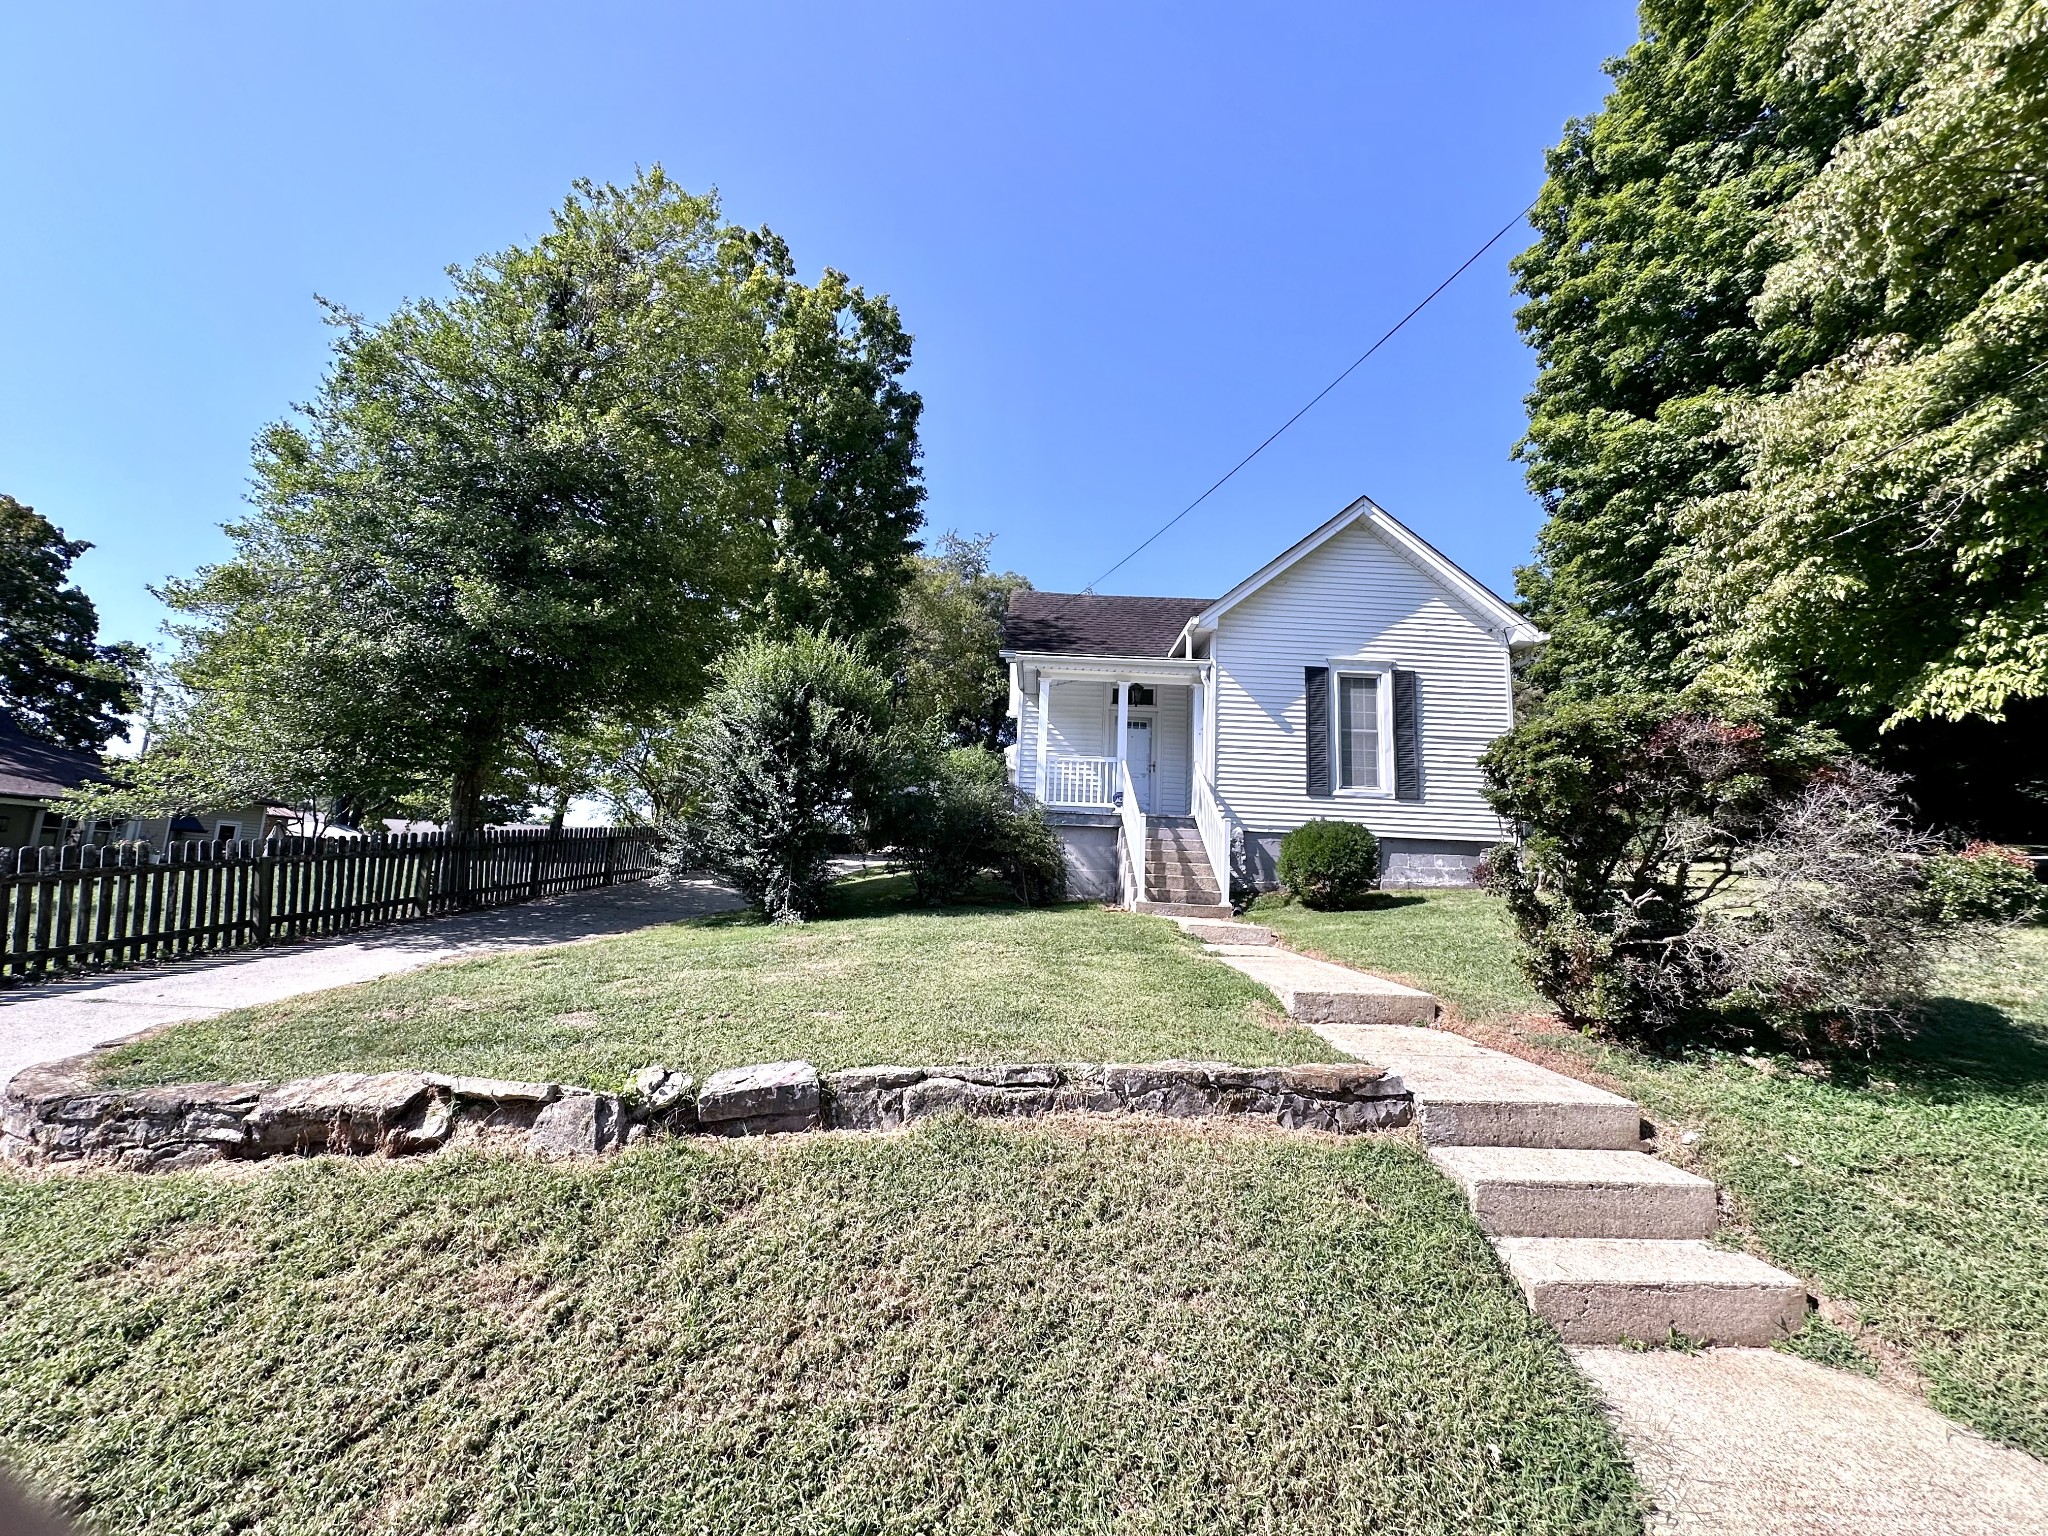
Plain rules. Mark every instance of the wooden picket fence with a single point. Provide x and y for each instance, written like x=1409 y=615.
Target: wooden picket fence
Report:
x=75 y=908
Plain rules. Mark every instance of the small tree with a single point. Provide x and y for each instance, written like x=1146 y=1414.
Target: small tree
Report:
x=789 y=752
x=1634 y=811
x=953 y=674
x=959 y=817
x=1828 y=931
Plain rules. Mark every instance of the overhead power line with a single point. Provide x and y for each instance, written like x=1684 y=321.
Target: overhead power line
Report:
x=1273 y=436
x=1706 y=42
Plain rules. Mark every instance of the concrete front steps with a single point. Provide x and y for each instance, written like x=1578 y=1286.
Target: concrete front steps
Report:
x=1605 y=1242
x=1319 y=993
x=1469 y=1096
x=1605 y=1290
x=1178 y=880
x=1558 y=1192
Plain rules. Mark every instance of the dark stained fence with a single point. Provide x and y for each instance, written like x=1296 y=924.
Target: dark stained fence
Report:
x=67 y=909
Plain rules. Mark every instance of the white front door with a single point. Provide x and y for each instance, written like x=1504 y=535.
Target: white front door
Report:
x=1138 y=738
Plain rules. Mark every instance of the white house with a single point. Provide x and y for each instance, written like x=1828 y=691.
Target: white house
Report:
x=1355 y=678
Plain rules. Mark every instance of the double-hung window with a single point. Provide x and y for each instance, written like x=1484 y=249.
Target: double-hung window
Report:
x=1358 y=730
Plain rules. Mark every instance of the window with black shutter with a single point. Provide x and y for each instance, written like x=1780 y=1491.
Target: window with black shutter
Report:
x=1407 y=736
x=1316 y=733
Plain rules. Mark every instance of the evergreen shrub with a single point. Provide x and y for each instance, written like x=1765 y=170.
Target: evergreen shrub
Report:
x=1329 y=865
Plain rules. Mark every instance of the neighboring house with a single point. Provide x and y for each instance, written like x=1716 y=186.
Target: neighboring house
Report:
x=34 y=772
x=1355 y=678
x=239 y=823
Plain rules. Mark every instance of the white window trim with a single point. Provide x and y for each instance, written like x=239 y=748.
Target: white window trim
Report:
x=1383 y=697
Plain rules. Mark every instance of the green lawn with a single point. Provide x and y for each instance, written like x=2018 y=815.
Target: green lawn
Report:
x=966 y=1327
x=1913 y=1187
x=879 y=984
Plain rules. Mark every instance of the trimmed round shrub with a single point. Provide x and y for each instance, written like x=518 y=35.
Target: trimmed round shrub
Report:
x=1329 y=865
x=1985 y=883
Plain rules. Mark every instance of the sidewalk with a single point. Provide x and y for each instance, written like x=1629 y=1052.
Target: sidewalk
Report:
x=43 y=1023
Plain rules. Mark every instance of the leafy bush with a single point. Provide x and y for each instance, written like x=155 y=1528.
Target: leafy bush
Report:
x=1329 y=865
x=959 y=818
x=1634 y=811
x=1985 y=883
x=788 y=753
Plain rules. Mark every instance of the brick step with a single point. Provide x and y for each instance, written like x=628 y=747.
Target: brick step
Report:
x=1605 y=1290
x=1554 y=1192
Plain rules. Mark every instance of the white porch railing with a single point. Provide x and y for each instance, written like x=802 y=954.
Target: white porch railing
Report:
x=1080 y=781
x=1215 y=834
x=1133 y=819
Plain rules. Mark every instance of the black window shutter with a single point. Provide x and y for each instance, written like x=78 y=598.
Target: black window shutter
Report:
x=1407 y=736
x=1316 y=736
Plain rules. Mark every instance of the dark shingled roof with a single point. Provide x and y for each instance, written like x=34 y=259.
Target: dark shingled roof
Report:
x=1070 y=624
x=34 y=769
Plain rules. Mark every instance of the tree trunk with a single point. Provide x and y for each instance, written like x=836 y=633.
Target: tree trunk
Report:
x=466 y=796
x=561 y=811
x=465 y=810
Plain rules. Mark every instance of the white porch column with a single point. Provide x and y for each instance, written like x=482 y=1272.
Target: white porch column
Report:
x=1198 y=726
x=1123 y=723
x=1044 y=709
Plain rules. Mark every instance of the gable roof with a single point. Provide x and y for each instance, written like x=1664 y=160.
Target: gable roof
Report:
x=1516 y=628
x=1083 y=624
x=35 y=769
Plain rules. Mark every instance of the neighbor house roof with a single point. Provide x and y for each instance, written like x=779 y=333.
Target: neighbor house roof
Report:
x=1082 y=624
x=34 y=769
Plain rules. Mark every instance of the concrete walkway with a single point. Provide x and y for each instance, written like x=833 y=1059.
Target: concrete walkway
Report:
x=43 y=1023
x=1608 y=1243
x=1753 y=1442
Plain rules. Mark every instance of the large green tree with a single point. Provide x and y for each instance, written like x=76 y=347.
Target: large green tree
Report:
x=1655 y=236
x=1887 y=551
x=954 y=680
x=56 y=679
x=1789 y=305
x=550 y=498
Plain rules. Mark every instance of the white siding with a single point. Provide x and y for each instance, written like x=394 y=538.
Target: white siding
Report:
x=1355 y=596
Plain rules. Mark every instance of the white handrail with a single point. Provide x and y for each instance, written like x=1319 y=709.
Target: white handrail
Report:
x=1134 y=830
x=1215 y=835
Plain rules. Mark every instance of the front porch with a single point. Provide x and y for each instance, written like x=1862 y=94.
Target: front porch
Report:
x=1114 y=748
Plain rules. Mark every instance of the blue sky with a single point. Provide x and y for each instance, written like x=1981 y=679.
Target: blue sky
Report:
x=1130 y=239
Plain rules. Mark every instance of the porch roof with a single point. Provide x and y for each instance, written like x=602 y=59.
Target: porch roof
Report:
x=1085 y=624
x=1122 y=669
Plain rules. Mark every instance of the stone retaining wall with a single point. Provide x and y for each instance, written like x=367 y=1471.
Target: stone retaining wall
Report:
x=58 y=1114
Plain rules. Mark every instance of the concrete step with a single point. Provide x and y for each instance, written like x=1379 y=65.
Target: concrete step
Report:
x=1469 y=1096
x=1227 y=933
x=1319 y=993
x=1186 y=909
x=1604 y=1290
x=1552 y=1192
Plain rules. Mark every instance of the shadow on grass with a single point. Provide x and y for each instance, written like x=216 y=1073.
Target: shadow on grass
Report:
x=1373 y=901
x=882 y=894
x=1963 y=1043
